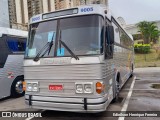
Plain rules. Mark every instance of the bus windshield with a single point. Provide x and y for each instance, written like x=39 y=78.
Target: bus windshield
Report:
x=83 y=35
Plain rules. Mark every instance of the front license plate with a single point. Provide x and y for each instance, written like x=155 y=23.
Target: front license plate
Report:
x=55 y=87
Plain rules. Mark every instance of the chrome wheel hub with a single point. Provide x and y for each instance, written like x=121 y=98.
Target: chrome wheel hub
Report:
x=19 y=87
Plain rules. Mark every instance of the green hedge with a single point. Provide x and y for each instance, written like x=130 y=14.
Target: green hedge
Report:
x=142 y=48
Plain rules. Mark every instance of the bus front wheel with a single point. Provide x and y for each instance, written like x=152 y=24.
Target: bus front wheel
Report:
x=117 y=89
x=17 y=87
x=132 y=69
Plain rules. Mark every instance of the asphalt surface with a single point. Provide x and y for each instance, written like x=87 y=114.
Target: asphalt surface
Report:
x=142 y=97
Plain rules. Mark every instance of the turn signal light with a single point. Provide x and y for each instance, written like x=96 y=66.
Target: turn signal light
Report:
x=24 y=86
x=99 y=87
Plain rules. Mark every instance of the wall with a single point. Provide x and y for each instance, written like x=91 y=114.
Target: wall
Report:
x=4 y=14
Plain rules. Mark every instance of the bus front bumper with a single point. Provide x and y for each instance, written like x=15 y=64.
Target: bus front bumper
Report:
x=71 y=104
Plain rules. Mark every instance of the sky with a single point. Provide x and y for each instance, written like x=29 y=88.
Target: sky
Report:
x=134 y=11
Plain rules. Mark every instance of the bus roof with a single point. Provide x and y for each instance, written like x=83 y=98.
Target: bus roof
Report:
x=13 y=32
x=76 y=11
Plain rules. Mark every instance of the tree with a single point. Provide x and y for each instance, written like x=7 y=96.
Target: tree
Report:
x=155 y=36
x=149 y=31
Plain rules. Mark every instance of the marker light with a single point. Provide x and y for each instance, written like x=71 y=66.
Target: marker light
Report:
x=24 y=86
x=99 y=87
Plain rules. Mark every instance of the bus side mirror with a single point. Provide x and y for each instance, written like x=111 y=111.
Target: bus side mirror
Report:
x=110 y=42
x=110 y=30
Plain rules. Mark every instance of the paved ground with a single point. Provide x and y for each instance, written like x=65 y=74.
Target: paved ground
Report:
x=12 y=104
x=143 y=98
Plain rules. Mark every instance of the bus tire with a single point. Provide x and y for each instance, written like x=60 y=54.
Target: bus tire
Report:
x=17 y=87
x=117 y=89
x=132 y=69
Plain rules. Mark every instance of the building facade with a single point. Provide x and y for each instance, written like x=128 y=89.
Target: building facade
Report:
x=83 y=2
x=20 y=11
x=4 y=19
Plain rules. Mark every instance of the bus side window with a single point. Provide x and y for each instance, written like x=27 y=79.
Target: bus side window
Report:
x=3 y=51
x=16 y=45
x=109 y=35
x=116 y=33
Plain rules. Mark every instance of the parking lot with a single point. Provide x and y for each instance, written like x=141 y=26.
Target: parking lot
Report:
x=138 y=94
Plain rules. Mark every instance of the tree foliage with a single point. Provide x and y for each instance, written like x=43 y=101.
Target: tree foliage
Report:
x=149 y=31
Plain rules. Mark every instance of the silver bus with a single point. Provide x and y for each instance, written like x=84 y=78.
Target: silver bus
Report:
x=76 y=60
x=12 y=47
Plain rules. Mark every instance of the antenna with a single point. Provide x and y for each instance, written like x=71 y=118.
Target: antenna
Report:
x=99 y=1
x=105 y=2
x=83 y=2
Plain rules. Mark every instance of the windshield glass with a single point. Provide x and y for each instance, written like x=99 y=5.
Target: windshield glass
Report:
x=82 y=35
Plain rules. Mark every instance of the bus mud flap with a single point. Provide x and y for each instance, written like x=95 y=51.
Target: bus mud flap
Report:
x=85 y=103
x=30 y=100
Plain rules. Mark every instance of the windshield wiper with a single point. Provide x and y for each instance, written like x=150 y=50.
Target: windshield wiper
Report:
x=47 y=48
x=69 y=50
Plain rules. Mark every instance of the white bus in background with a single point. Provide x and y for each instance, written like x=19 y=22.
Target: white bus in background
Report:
x=12 y=47
x=76 y=59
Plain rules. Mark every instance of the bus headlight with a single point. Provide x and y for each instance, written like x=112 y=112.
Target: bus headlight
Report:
x=87 y=88
x=79 y=88
x=29 y=87
x=35 y=87
x=32 y=86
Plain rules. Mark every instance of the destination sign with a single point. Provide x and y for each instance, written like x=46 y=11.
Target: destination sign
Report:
x=60 y=13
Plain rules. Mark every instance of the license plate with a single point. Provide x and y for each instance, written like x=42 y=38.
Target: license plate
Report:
x=55 y=87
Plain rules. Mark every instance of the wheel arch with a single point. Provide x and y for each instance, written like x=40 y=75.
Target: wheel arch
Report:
x=118 y=76
x=14 y=81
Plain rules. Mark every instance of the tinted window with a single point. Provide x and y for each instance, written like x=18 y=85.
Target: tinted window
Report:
x=8 y=45
x=82 y=35
x=16 y=45
x=3 y=51
x=125 y=39
x=116 y=33
x=40 y=34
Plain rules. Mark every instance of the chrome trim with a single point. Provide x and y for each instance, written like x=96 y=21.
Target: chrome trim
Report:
x=69 y=99
x=68 y=104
